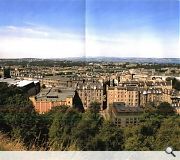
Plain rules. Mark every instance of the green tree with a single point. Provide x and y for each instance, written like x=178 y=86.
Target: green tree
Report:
x=165 y=109
x=169 y=134
x=142 y=137
x=29 y=127
x=60 y=133
x=87 y=129
x=95 y=107
x=109 y=138
x=150 y=108
x=132 y=138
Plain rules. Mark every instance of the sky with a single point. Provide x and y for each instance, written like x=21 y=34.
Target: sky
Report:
x=89 y=28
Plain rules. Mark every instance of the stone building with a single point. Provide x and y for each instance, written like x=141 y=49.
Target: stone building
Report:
x=55 y=81
x=90 y=92
x=139 y=94
x=51 y=97
x=176 y=101
x=123 y=115
x=129 y=95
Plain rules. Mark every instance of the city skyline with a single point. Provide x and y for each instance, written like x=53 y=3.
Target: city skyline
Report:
x=78 y=28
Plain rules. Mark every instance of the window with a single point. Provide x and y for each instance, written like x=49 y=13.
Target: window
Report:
x=127 y=120
x=131 y=120
x=135 y=120
x=118 y=122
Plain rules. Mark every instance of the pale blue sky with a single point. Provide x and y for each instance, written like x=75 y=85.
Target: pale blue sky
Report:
x=72 y=28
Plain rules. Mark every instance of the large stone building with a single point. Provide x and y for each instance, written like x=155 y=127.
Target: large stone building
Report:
x=129 y=95
x=55 y=81
x=155 y=95
x=15 y=72
x=176 y=101
x=51 y=97
x=123 y=115
x=136 y=93
x=90 y=92
x=63 y=81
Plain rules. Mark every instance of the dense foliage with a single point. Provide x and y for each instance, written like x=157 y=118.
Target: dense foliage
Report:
x=66 y=128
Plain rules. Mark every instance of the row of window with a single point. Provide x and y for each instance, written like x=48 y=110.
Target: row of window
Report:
x=90 y=95
x=128 y=121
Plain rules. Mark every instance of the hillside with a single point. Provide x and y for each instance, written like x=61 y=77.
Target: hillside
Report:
x=8 y=145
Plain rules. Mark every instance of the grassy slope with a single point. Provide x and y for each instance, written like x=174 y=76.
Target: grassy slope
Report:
x=8 y=145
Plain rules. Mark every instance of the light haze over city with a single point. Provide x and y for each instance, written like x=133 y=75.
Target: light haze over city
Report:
x=79 y=28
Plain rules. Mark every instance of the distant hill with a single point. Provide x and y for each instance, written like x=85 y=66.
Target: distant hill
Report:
x=125 y=59
x=104 y=59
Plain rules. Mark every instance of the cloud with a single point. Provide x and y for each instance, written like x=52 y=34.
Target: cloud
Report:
x=16 y=42
x=42 y=42
x=40 y=48
x=132 y=45
x=22 y=31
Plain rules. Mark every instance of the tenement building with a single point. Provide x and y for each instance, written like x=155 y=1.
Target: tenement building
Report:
x=90 y=92
x=128 y=95
x=134 y=94
x=176 y=101
x=55 y=81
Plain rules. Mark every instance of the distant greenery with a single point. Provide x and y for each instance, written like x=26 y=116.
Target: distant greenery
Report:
x=45 y=62
x=65 y=128
x=83 y=62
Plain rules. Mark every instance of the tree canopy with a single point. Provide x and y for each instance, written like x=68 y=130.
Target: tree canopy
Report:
x=68 y=128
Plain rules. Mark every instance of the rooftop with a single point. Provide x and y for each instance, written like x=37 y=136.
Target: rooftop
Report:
x=18 y=83
x=90 y=85
x=55 y=94
x=119 y=107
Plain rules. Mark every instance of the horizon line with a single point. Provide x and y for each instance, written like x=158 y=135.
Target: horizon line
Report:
x=93 y=57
